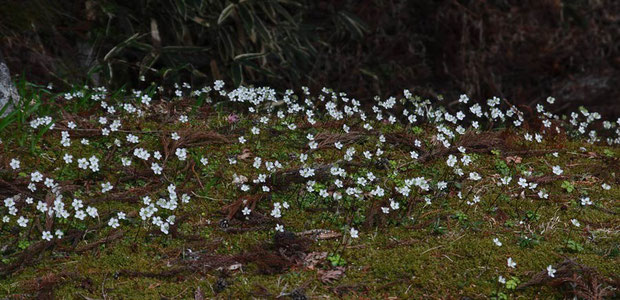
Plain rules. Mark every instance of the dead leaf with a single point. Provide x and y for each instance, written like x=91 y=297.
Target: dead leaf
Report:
x=245 y=154
x=198 y=295
x=329 y=276
x=320 y=234
x=514 y=159
x=153 y=285
x=313 y=259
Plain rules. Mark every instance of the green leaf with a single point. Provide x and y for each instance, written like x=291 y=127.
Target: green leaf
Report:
x=237 y=74
x=247 y=56
x=226 y=13
x=116 y=49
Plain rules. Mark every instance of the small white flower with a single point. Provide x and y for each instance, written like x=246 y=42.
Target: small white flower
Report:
x=557 y=170
x=156 y=168
x=279 y=228
x=68 y=158
x=354 y=233
x=246 y=211
x=551 y=271
x=46 y=235
x=126 y=161
x=113 y=223
x=175 y=136
x=497 y=242
x=575 y=222
x=14 y=164
x=106 y=187
x=474 y=176
x=181 y=153
x=586 y=201
x=22 y=222
x=36 y=176
x=511 y=263
x=501 y=279
x=83 y=163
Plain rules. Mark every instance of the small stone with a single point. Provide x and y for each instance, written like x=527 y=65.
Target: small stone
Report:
x=8 y=92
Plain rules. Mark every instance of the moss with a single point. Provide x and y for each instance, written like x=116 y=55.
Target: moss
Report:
x=421 y=250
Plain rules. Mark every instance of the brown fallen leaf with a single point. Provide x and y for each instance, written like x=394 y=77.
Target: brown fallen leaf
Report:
x=514 y=159
x=245 y=154
x=329 y=276
x=199 y=295
x=313 y=259
x=320 y=234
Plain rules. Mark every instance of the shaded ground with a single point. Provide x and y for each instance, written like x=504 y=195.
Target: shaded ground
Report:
x=434 y=244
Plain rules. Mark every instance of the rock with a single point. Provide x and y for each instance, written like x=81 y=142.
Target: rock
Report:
x=8 y=92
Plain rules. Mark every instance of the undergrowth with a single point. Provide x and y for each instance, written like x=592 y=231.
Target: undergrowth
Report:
x=195 y=193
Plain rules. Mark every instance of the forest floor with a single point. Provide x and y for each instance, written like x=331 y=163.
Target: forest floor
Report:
x=200 y=196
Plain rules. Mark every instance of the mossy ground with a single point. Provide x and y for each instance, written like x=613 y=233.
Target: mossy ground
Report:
x=440 y=250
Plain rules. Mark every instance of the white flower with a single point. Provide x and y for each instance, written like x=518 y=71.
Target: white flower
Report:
x=83 y=163
x=474 y=176
x=106 y=187
x=394 y=205
x=606 y=186
x=46 y=235
x=113 y=223
x=242 y=140
x=306 y=172
x=92 y=212
x=14 y=164
x=183 y=119
x=145 y=99
x=59 y=233
x=557 y=170
x=126 y=161
x=575 y=222
x=586 y=201
x=132 y=139
x=36 y=176
x=501 y=279
x=141 y=153
x=94 y=163
x=497 y=242
x=551 y=271
x=156 y=168
x=246 y=211
x=68 y=158
x=354 y=233
x=175 y=136
x=511 y=263
x=279 y=228
x=451 y=160
x=204 y=161
x=22 y=222
x=181 y=153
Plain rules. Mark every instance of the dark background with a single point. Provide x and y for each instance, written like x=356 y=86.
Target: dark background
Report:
x=521 y=50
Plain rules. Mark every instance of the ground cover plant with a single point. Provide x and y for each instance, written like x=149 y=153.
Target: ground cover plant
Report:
x=210 y=192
